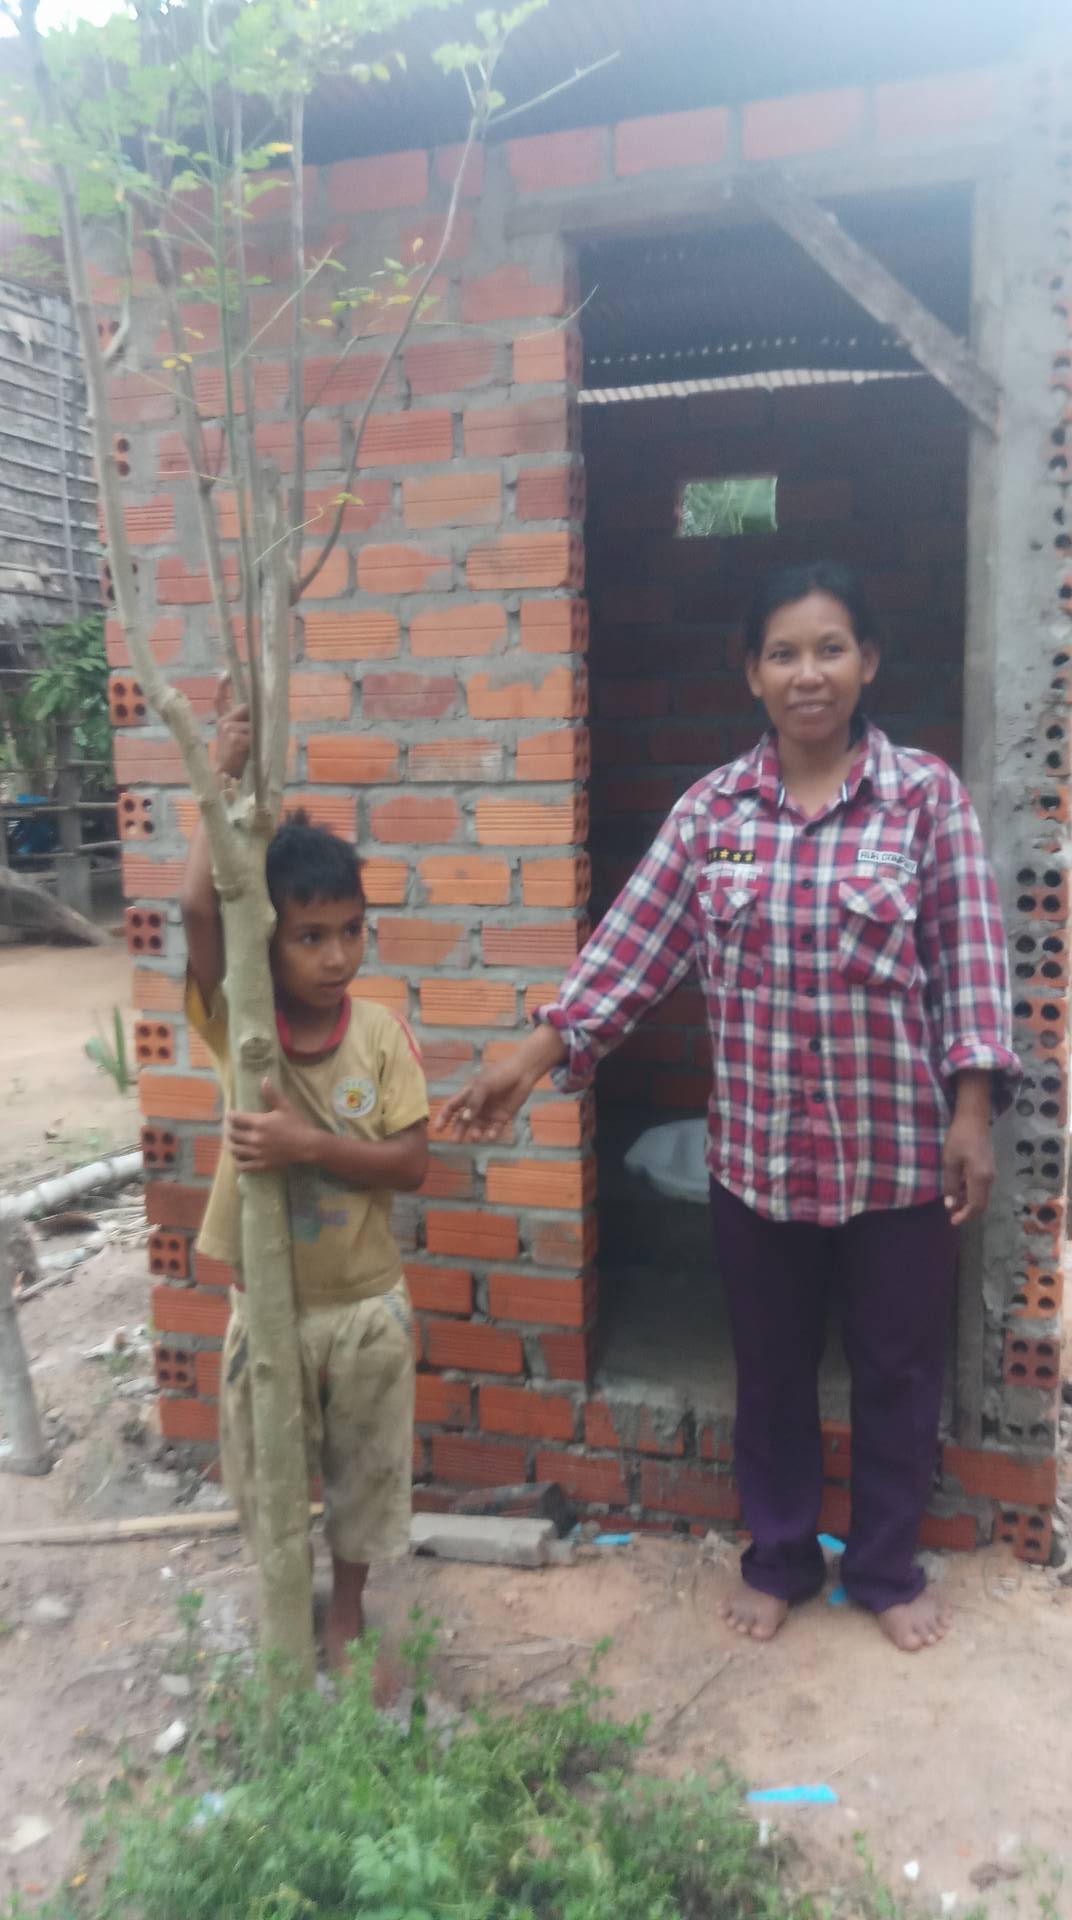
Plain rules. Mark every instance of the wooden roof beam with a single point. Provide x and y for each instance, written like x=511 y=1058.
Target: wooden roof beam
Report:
x=822 y=237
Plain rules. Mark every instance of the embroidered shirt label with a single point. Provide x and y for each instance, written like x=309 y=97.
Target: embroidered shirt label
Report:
x=731 y=857
x=353 y=1097
x=877 y=857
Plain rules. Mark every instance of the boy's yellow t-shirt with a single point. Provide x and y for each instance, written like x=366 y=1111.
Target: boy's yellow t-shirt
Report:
x=371 y=1086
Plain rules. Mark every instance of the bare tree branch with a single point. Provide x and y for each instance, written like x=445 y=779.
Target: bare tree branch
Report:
x=276 y=640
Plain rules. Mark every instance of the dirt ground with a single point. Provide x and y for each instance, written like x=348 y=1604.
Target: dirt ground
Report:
x=956 y=1761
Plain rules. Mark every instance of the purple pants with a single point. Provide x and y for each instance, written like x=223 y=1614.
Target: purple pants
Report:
x=898 y=1273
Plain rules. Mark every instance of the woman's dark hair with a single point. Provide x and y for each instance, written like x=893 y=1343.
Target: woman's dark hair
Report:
x=308 y=863
x=786 y=584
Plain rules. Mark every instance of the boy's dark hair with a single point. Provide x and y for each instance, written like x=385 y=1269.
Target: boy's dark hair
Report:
x=308 y=863
x=786 y=584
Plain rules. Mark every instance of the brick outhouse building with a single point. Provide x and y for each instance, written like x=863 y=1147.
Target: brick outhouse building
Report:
x=517 y=659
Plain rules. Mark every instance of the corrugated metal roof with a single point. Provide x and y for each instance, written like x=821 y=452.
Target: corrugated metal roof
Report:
x=746 y=299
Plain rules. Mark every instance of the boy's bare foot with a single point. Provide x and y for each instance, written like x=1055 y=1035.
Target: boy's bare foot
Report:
x=921 y=1623
x=345 y=1622
x=757 y=1614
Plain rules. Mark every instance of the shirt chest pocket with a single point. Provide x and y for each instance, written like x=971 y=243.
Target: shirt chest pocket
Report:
x=877 y=937
x=734 y=920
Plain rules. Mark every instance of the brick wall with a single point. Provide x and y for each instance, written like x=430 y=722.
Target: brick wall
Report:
x=874 y=475
x=439 y=715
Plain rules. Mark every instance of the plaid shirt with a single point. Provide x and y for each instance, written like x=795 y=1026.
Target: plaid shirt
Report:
x=852 y=964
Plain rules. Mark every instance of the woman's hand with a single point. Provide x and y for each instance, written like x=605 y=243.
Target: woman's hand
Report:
x=968 y=1158
x=488 y=1102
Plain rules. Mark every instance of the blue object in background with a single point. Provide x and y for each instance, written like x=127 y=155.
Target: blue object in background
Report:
x=794 y=1797
x=830 y=1545
x=837 y=1597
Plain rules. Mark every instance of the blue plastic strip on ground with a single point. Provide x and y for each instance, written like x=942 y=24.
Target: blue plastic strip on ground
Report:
x=612 y=1540
x=837 y=1597
x=794 y=1797
x=830 y=1545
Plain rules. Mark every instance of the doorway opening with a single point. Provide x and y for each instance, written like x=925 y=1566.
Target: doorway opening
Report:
x=726 y=357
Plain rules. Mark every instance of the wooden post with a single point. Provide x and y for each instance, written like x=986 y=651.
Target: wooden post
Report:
x=72 y=864
x=29 y=1453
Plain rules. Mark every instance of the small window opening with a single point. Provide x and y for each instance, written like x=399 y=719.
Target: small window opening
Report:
x=728 y=509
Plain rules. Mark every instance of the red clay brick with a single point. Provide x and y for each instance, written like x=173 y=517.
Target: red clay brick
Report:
x=146 y=879
x=554 y=626
x=333 y=580
x=456 y=631
x=422 y=943
x=564 y=1243
x=154 y=992
x=206 y=1154
x=448 y=160
x=212 y=1273
x=407 y=439
x=547 y=425
x=320 y=696
x=363 y=511
x=207 y=1373
x=449 y=1177
x=554 y=162
x=453 y=500
x=337 y=758
x=139 y=399
x=469 y=1234
x=563 y=754
x=448 y=366
x=524 y=1410
x=553 y=356
x=567 y=1356
x=422 y=240
x=562 y=694
x=461 y=760
x=560 y=1123
x=407 y=696
x=939 y=105
x=537 y=1302
x=556 y=883
x=472 y=1347
x=468 y=1003
x=382 y=991
x=177 y=1096
x=439 y=1289
x=350 y=636
x=562 y=1184
x=335 y=811
x=632 y=1429
x=949 y=1532
x=168 y=1204
x=465 y=1462
x=189 y=1420
x=690 y=1491
x=551 y=493
x=597 y=1481
x=446 y=1062
x=527 y=560
x=652 y=145
x=336 y=383
x=377 y=184
x=555 y=945
x=532 y=823
x=189 y=1310
x=385 y=882
x=401 y=569
x=802 y=123
x=510 y=293
x=464 y=880
x=274 y=440
x=442 y=1403
x=423 y=821
x=152 y=521
x=1002 y=1477
x=165 y=641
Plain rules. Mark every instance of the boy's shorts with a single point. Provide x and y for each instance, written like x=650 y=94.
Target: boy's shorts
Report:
x=357 y=1394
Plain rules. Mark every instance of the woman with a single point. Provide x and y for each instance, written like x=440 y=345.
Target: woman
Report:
x=834 y=894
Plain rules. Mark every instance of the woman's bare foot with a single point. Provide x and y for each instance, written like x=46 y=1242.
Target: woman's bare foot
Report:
x=922 y=1623
x=757 y=1614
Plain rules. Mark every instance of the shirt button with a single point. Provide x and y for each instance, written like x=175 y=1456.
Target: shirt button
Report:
x=807 y=939
x=818 y=1094
x=812 y=993
x=807 y=884
x=812 y=827
x=816 y=1046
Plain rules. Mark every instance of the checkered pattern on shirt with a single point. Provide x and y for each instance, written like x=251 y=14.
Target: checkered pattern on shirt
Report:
x=851 y=964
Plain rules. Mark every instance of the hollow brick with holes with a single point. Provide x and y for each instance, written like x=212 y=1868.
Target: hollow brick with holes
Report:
x=159 y=1148
x=169 y=1253
x=351 y=636
x=1032 y=1363
x=1038 y=1294
x=546 y=425
x=134 y=812
x=1029 y=1533
x=127 y=705
x=556 y=883
x=144 y=929
x=175 y=1368
x=599 y=1482
x=154 y=1043
x=551 y=493
x=532 y=823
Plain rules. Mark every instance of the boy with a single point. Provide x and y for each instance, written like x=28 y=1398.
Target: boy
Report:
x=348 y=1125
